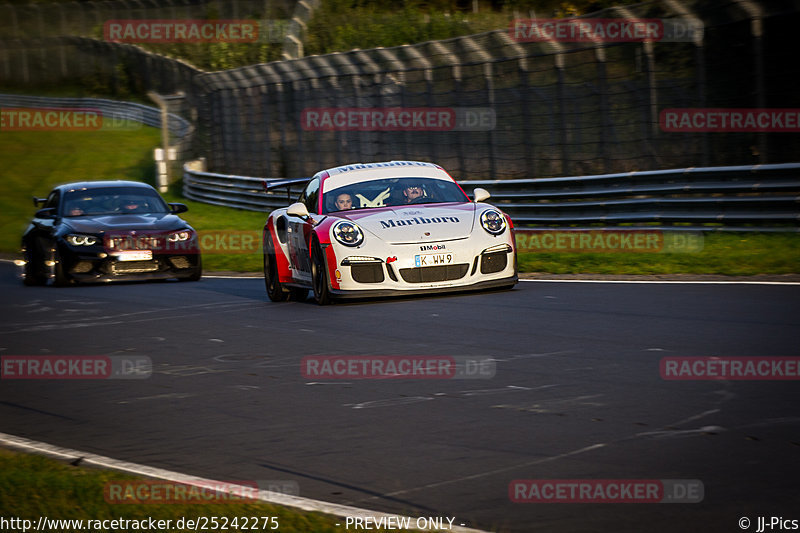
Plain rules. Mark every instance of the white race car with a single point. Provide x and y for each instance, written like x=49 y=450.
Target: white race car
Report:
x=382 y=229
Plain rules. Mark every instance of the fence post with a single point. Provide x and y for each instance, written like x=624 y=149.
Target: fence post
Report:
x=602 y=89
x=418 y=59
x=14 y=20
x=757 y=29
x=395 y=65
x=700 y=55
x=562 y=111
x=346 y=67
x=371 y=69
x=652 y=91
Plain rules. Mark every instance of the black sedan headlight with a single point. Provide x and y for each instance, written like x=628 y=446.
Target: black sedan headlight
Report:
x=180 y=236
x=348 y=233
x=76 y=239
x=493 y=221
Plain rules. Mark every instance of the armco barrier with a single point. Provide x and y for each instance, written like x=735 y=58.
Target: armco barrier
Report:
x=115 y=109
x=742 y=198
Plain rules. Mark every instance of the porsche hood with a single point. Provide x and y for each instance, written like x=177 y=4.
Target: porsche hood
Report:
x=417 y=223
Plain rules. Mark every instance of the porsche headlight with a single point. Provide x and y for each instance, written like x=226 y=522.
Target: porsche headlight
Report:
x=493 y=221
x=180 y=236
x=348 y=233
x=81 y=240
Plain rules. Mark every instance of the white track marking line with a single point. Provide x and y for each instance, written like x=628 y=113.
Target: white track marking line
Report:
x=305 y=504
x=655 y=281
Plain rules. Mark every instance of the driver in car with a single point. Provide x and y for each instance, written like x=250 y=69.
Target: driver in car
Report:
x=412 y=192
x=130 y=205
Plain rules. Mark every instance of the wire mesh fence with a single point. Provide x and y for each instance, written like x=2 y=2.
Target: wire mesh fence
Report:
x=503 y=106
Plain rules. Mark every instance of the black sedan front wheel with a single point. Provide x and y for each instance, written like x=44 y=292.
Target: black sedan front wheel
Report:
x=196 y=274
x=60 y=276
x=34 y=268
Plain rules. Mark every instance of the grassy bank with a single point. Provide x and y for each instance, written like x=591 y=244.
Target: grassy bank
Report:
x=32 y=486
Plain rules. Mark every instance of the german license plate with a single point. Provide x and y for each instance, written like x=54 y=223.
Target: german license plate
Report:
x=134 y=255
x=425 y=260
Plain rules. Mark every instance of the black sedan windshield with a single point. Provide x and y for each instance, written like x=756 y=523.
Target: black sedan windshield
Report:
x=112 y=201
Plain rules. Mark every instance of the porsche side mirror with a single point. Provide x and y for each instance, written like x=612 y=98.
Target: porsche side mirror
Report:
x=480 y=194
x=298 y=209
x=49 y=212
x=176 y=208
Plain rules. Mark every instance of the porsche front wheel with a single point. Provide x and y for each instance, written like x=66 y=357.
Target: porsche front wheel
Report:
x=319 y=276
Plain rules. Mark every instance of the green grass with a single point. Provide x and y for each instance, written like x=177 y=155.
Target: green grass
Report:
x=32 y=486
x=230 y=224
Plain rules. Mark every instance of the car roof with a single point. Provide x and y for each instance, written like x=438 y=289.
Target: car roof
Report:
x=359 y=172
x=82 y=185
x=393 y=168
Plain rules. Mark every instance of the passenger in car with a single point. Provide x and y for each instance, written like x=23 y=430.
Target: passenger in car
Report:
x=344 y=201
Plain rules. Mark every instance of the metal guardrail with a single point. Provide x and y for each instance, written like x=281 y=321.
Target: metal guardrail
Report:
x=741 y=198
x=113 y=109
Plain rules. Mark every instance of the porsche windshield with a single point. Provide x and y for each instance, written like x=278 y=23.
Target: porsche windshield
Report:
x=390 y=192
x=112 y=201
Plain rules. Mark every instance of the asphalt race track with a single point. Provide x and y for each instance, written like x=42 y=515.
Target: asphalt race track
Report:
x=577 y=394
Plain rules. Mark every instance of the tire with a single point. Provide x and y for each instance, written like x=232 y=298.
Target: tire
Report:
x=196 y=275
x=319 y=275
x=275 y=290
x=34 y=274
x=61 y=278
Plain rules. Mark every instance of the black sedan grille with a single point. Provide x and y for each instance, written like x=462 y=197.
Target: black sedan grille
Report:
x=134 y=242
x=434 y=273
x=134 y=267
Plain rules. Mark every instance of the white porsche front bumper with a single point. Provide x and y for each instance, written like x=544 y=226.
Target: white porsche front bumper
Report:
x=458 y=264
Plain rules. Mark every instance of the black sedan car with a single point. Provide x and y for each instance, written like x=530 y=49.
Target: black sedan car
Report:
x=108 y=231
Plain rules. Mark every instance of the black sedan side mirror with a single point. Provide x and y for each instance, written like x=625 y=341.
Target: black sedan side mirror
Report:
x=176 y=208
x=49 y=212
